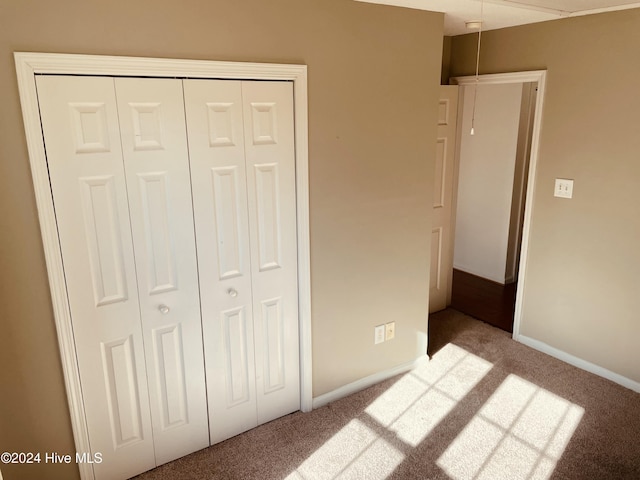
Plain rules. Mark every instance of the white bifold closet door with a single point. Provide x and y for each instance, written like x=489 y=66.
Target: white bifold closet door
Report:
x=119 y=172
x=241 y=136
x=177 y=347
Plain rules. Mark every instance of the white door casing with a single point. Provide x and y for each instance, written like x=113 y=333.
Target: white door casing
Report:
x=29 y=65
x=538 y=76
x=523 y=154
x=442 y=222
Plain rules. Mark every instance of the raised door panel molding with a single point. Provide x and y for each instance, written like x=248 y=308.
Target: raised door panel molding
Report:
x=268 y=210
x=169 y=355
x=265 y=127
x=147 y=126
x=440 y=174
x=273 y=348
x=89 y=120
x=443 y=111
x=237 y=363
x=220 y=117
x=227 y=221
x=161 y=267
x=103 y=239
x=122 y=392
x=436 y=258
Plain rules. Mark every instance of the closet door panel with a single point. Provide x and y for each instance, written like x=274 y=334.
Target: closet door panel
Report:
x=218 y=175
x=270 y=160
x=84 y=156
x=156 y=162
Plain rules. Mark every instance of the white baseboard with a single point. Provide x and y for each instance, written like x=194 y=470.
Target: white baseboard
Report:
x=365 y=382
x=578 y=362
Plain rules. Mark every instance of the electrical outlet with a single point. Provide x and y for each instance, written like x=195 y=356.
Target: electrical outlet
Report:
x=390 y=330
x=379 y=335
x=563 y=188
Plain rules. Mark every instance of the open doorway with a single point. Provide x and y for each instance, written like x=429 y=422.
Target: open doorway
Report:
x=494 y=178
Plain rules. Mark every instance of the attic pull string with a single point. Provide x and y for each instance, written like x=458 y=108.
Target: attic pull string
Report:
x=475 y=88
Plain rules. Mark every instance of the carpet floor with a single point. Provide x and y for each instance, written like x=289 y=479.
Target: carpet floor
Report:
x=483 y=407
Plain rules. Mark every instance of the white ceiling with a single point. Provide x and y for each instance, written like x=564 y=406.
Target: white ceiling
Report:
x=507 y=13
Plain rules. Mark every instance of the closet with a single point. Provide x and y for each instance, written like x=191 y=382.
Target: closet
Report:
x=175 y=209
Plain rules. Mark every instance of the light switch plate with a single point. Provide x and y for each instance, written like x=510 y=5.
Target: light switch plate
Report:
x=564 y=188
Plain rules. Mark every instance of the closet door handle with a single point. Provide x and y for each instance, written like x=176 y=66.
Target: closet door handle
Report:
x=164 y=309
x=232 y=292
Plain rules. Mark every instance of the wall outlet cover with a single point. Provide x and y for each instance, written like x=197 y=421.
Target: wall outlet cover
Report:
x=379 y=334
x=390 y=330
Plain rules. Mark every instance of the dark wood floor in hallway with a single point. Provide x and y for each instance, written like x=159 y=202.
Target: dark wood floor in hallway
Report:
x=484 y=299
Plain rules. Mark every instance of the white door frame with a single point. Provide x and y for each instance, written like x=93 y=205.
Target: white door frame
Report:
x=28 y=65
x=538 y=76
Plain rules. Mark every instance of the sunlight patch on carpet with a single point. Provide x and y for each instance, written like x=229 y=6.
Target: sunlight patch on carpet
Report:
x=519 y=433
x=354 y=452
x=421 y=399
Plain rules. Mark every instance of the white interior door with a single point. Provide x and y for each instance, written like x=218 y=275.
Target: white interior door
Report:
x=80 y=126
x=156 y=159
x=441 y=229
x=242 y=167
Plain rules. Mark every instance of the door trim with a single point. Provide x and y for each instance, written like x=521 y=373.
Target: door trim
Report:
x=28 y=65
x=539 y=76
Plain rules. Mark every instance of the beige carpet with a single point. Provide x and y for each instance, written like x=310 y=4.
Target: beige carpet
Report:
x=484 y=407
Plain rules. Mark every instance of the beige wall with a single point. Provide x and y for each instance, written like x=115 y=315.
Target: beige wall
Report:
x=486 y=167
x=373 y=75
x=581 y=291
